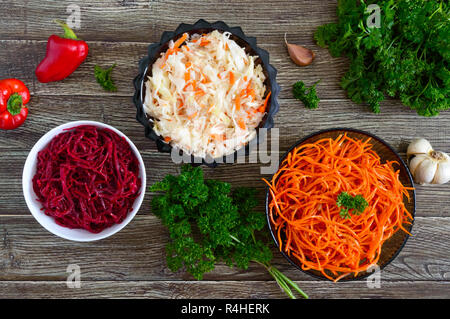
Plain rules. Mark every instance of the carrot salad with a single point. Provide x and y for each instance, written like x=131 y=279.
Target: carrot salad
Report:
x=304 y=213
x=206 y=94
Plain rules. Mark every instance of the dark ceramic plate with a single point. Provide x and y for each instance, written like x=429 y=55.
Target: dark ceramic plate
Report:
x=201 y=26
x=392 y=247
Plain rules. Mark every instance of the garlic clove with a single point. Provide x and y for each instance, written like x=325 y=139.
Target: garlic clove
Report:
x=442 y=174
x=418 y=146
x=300 y=55
x=424 y=174
x=415 y=162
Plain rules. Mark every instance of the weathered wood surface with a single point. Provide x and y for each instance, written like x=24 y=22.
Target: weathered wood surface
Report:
x=127 y=55
x=29 y=252
x=131 y=263
x=219 y=289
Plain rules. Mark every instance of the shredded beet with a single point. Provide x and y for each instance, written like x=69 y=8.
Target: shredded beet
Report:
x=87 y=178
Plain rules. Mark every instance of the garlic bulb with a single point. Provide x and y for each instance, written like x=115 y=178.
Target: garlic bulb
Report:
x=427 y=165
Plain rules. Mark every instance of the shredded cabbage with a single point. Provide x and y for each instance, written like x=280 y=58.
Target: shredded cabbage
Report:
x=206 y=95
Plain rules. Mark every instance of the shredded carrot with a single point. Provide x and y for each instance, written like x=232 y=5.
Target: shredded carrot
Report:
x=232 y=79
x=205 y=79
x=249 y=91
x=176 y=46
x=249 y=84
x=305 y=216
x=204 y=42
x=180 y=41
x=267 y=99
x=200 y=92
x=190 y=117
x=237 y=102
x=252 y=93
x=263 y=107
x=218 y=137
x=193 y=83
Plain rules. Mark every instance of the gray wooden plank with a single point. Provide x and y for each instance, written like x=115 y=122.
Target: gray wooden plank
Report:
x=29 y=252
x=224 y=290
x=143 y=20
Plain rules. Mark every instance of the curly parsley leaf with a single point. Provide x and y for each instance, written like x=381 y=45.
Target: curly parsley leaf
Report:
x=351 y=204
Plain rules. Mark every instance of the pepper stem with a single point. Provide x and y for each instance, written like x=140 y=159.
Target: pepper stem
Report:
x=68 y=32
x=15 y=104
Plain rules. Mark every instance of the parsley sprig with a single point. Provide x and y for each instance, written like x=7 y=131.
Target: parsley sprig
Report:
x=209 y=223
x=307 y=95
x=351 y=204
x=407 y=57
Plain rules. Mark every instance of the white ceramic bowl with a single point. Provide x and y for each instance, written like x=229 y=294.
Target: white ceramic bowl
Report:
x=48 y=222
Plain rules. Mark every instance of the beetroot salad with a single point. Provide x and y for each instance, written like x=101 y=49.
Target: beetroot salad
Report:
x=88 y=178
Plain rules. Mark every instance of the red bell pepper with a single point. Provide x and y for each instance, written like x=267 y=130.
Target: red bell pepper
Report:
x=64 y=55
x=14 y=96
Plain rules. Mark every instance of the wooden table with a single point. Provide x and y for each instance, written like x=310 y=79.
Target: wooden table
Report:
x=33 y=262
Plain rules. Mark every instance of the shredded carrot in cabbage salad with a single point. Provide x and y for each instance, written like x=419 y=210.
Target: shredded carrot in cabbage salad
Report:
x=306 y=218
x=206 y=95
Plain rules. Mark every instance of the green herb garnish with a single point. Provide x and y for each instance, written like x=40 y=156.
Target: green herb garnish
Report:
x=307 y=96
x=104 y=78
x=407 y=57
x=351 y=204
x=224 y=222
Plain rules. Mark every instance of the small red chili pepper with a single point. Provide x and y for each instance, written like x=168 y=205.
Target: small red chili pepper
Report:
x=64 y=55
x=13 y=97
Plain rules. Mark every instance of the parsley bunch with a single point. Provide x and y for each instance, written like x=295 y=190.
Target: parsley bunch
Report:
x=355 y=205
x=209 y=223
x=407 y=57
x=307 y=95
